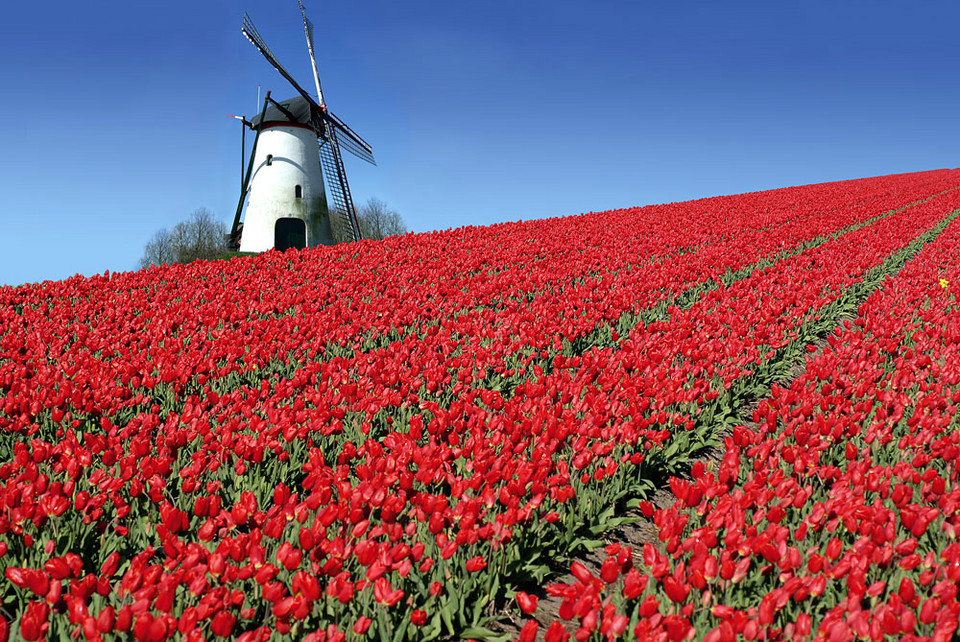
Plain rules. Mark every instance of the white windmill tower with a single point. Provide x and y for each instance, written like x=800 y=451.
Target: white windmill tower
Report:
x=297 y=145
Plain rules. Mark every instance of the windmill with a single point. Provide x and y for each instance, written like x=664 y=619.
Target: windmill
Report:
x=297 y=145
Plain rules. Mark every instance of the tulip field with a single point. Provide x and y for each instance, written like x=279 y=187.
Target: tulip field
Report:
x=415 y=438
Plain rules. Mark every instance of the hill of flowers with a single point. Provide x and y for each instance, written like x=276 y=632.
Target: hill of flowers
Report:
x=409 y=439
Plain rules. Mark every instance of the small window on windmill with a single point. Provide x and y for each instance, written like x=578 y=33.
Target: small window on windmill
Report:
x=298 y=192
x=269 y=159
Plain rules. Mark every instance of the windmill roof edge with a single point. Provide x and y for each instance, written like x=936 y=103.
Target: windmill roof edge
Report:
x=298 y=106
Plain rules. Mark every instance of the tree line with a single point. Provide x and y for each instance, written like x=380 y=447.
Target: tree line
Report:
x=203 y=236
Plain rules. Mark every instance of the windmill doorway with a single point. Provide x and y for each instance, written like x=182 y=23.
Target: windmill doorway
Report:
x=288 y=233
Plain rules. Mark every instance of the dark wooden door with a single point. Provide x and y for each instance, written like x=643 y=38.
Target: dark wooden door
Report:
x=290 y=232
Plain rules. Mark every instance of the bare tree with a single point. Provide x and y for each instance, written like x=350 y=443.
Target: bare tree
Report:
x=159 y=250
x=378 y=221
x=199 y=237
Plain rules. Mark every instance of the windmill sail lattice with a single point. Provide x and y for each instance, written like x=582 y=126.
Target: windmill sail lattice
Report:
x=339 y=189
x=351 y=142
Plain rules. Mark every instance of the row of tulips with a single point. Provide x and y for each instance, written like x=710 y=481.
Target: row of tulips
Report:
x=833 y=514
x=395 y=488
x=212 y=327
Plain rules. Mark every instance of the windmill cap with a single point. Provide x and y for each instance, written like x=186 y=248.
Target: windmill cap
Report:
x=298 y=106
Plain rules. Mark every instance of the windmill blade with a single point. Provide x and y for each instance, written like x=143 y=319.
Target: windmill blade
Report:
x=253 y=36
x=350 y=141
x=308 y=31
x=338 y=190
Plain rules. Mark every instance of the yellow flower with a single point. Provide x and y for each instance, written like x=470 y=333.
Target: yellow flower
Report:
x=944 y=283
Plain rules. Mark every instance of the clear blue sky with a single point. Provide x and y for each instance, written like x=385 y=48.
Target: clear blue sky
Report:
x=113 y=113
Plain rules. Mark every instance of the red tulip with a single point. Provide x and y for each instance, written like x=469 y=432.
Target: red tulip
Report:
x=529 y=631
x=33 y=623
x=418 y=617
x=361 y=625
x=223 y=623
x=580 y=572
x=527 y=602
x=675 y=590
